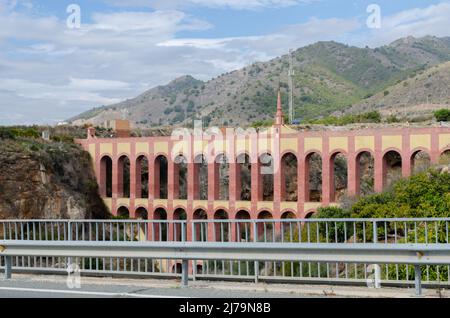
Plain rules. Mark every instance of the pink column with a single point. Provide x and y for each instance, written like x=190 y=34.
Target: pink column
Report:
x=435 y=151
x=326 y=172
x=379 y=165
x=138 y=179
x=406 y=156
x=352 y=169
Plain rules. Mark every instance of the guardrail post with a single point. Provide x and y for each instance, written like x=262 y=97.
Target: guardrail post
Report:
x=255 y=239
x=8 y=267
x=184 y=273
x=377 y=268
x=418 y=280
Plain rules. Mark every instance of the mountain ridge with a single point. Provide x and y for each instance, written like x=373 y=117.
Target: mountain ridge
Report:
x=331 y=78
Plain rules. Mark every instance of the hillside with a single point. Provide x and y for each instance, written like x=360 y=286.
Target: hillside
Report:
x=329 y=78
x=417 y=96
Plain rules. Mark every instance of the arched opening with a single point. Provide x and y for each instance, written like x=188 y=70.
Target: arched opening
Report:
x=123 y=212
x=309 y=214
x=243 y=229
x=289 y=182
x=338 y=176
x=201 y=178
x=200 y=226
x=289 y=226
x=180 y=182
x=244 y=176
x=392 y=167
x=221 y=229
x=161 y=177
x=106 y=177
x=365 y=180
x=179 y=232
x=177 y=268
x=420 y=162
x=142 y=177
x=313 y=191
x=223 y=176
x=123 y=182
x=444 y=159
x=266 y=175
x=265 y=227
x=160 y=225
x=141 y=214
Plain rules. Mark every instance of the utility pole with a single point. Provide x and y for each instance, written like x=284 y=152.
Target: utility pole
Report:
x=291 y=86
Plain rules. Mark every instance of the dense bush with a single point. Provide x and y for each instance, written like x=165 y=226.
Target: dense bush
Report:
x=442 y=115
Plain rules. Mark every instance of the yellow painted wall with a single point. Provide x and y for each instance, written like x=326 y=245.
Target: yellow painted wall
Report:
x=392 y=142
x=364 y=142
x=338 y=143
x=106 y=149
x=123 y=148
x=420 y=141
x=444 y=141
x=313 y=143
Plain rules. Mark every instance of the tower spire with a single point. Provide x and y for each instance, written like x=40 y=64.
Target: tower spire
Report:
x=279 y=118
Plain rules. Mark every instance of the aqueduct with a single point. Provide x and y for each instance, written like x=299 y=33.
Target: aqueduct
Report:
x=233 y=175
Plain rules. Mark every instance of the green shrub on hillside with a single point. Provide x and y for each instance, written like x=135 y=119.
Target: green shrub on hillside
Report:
x=442 y=115
x=370 y=117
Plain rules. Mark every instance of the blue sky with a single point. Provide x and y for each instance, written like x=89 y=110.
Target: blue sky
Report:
x=49 y=72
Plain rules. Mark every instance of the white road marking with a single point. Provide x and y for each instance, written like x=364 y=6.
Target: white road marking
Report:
x=74 y=292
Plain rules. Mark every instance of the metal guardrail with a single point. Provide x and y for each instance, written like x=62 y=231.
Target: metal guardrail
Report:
x=397 y=231
x=410 y=254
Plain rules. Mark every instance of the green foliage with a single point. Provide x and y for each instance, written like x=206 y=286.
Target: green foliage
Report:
x=370 y=117
x=442 y=114
x=17 y=132
x=423 y=195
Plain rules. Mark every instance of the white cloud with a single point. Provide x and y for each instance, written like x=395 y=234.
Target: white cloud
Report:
x=230 y=4
x=418 y=22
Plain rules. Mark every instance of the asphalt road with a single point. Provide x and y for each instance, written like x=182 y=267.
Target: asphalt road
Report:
x=35 y=287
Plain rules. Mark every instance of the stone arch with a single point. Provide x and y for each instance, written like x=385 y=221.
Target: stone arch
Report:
x=179 y=215
x=200 y=178
x=106 y=176
x=201 y=228
x=289 y=226
x=160 y=229
x=244 y=177
x=265 y=229
x=289 y=177
x=142 y=177
x=161 y=177
x=123 y=212
x=338 y=176
x=313 y=175
x=392 y=167
x=309 y=214
x=420 y=161
x=123 y=174
x=141 y=213
x=222 y=230
x=444 y=158
x=266 y=177
x=180 y=175
x=222 y=170
x=365 y=173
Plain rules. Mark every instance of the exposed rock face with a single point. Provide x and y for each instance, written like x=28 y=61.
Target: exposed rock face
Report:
x=47 y=180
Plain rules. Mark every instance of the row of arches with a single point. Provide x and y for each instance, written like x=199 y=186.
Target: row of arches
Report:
x=220 y=231
x=220 y=171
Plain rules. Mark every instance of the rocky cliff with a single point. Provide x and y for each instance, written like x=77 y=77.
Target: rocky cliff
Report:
x=46 y=179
